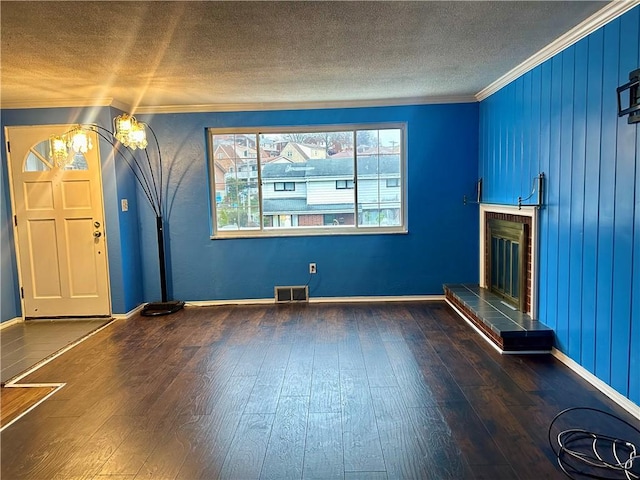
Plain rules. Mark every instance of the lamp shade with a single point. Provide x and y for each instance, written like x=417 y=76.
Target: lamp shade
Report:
x=130 y=132
x=58 y=151
x=138 y=136
x=79 y=141
x=122 y=128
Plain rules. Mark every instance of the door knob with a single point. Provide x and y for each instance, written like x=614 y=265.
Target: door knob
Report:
x=97 y=234
x=96 y=224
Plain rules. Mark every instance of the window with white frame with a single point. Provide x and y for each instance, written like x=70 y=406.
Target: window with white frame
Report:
x=344 y=184
x=284 y=186
x=392 y=182
x=341 y=179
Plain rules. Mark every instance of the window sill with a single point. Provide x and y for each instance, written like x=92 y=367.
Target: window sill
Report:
x=280 y=233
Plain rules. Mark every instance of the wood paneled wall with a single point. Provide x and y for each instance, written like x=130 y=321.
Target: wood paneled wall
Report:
x=561 y=119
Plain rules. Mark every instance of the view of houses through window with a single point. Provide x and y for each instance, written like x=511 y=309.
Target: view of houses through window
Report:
x=348 y=179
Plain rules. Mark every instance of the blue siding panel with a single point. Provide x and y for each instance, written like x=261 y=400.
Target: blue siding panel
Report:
x=524 y=140
x=565 y=111
x=592 y=193
x=534 y=128
x=515 y=152
x=623 y=222
x=545 y=144
x=606 y=207
x=576 y=179
x=553 y=208
x=634 y=340
x=506 y=159
x=563 y=182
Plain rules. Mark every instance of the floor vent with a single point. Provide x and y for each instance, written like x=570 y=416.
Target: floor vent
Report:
x=292 y=294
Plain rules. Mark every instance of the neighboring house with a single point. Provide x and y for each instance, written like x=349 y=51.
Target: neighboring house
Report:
x=236 y=161
x=382 y=150
x=322 y=192
x=299 y=152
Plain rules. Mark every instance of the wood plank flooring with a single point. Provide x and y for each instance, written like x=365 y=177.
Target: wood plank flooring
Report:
x=317 y=391
x=14 y=401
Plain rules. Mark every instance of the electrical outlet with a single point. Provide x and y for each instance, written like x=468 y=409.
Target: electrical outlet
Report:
x=312 y=268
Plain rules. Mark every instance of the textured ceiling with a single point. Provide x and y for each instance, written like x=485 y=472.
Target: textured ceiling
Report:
x=150 y=54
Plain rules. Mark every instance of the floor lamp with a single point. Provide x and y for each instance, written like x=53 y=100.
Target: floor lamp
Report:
x=130 y=134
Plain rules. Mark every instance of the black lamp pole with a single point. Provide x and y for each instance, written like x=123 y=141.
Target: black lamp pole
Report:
x=152 y=189
x=163 y=272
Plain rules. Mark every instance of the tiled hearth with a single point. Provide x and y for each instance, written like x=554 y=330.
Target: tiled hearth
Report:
x=512 y=331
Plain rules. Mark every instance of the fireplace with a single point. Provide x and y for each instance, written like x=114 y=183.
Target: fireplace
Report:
x=502 y=307
x=508 y=255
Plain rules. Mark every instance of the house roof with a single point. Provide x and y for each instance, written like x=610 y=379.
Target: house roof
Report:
x=285 y=206
x=333 y=167
x=284 y=170
x=151 y=56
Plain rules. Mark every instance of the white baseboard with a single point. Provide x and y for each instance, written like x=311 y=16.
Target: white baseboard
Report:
x=374 y=299
x=129 y=314
x=609 y=391
x=239 y=301
x=361 y=299
x=13 y=321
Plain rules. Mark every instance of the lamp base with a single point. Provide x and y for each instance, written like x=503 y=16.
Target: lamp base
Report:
x=155 y=309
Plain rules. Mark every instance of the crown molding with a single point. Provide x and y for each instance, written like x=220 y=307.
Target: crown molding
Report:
x=57 y=103
x=237 y=107
x=608 y=13
x=246 y=107
x=124 y=107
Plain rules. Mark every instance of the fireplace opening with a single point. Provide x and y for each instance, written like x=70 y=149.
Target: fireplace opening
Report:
x=507 y=260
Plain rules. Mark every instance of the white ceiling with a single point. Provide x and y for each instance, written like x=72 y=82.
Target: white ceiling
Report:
x=188 y=54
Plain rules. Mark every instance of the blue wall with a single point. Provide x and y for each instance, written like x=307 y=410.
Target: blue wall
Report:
x=121 y=227
x=440 y=247
x=9 y=291
x=561 y=119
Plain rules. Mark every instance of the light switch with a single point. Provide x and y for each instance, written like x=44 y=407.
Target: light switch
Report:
x=125 y=204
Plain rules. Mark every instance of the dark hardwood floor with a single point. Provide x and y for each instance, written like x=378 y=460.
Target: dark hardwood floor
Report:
x=353 y=391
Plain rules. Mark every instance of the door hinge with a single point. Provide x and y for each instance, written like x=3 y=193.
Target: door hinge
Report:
x=9 y=147
x=15 y=220
x=21 y=292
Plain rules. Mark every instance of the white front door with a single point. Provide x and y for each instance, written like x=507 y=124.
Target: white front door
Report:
x=59 y=227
